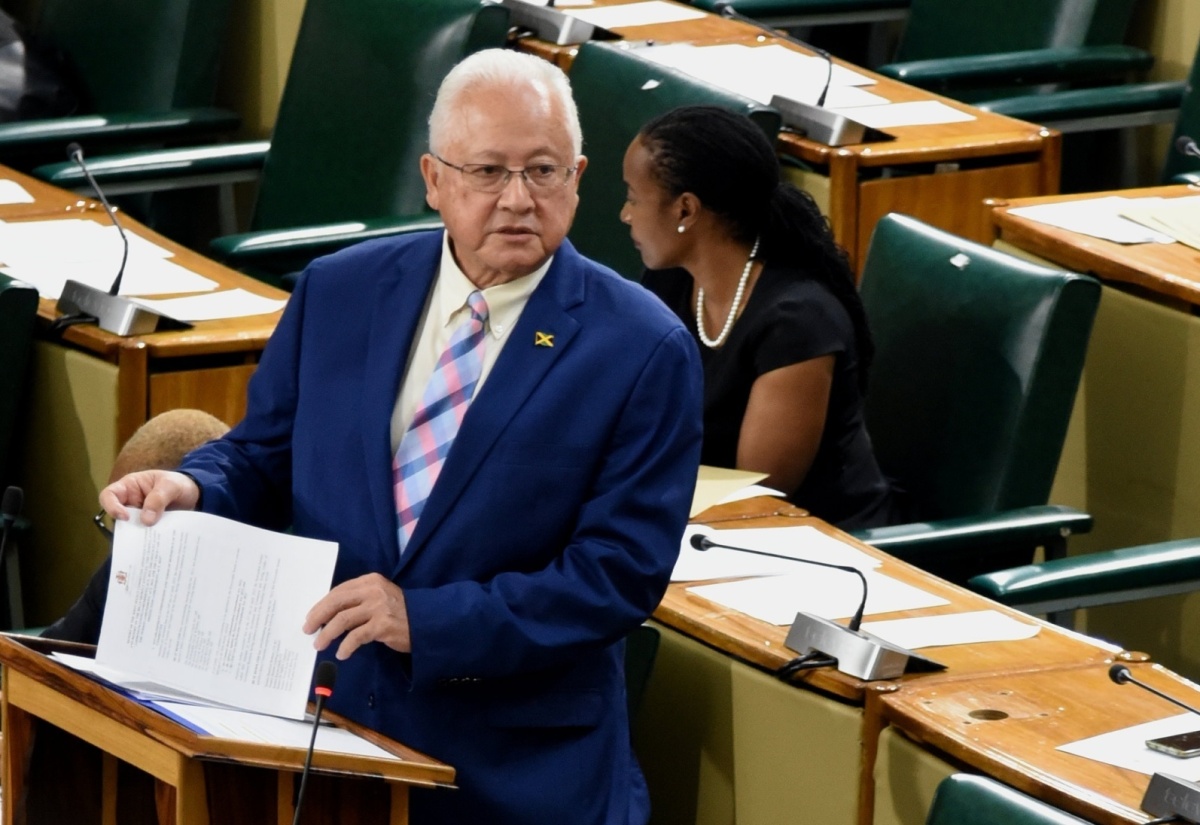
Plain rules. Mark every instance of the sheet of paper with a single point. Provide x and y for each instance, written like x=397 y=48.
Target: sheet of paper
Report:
x=143 y=276
x=215 y=608
x=228 y=303
x=952 y=629
x=1096 y=217
x=1177 y=218
x=270 y=730
x=1126 y=748
x=753 y=491
x=830 y=594
x=912 y=113
x=13 y=192
x=637 y=14
x=715 y=483
x=800 y=542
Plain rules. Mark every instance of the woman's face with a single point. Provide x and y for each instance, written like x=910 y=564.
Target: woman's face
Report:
x=652 y=215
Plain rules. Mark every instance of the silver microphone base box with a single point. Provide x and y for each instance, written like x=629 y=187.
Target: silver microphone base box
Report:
x=1170 y=796
x=824 y=126
x=114 y=314
x=553 y=25
x=858 y=654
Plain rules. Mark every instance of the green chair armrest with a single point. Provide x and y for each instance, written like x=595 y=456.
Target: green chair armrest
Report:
x=1189 y=178
x=167 y=164
x=1097 y=578
x=1075 y=104
x=260 y=249
x=1021 y=67
x=117 y=128
x=777 y=8
x=926 y=541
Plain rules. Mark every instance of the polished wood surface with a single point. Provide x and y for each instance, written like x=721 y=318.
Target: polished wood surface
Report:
x=1008 y=726
x=48 y=199
x=196 y=767
x=762 y=644
x=1164 y=271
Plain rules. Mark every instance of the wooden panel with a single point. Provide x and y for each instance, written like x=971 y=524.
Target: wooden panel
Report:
x=220 y=391
x=951 y=200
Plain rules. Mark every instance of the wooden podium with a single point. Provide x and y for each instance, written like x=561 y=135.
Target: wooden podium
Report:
x=198 y=779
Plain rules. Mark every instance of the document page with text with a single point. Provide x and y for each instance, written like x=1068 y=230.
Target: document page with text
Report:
x=215 y=608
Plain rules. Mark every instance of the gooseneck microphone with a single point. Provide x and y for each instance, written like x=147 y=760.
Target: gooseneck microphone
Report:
x=725 y=9
x=1121 y=674
x=1187 y=147
x=703 y=542
x=75 y=153
x=323 y=687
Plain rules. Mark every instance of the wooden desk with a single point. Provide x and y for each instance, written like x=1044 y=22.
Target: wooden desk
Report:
x=207 y=779
x=722 y=740
x=1132 y=453
x=1009 y=726
x=938 y=173
x=91 y=390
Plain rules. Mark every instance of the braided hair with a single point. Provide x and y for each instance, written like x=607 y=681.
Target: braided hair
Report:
x=727 y=162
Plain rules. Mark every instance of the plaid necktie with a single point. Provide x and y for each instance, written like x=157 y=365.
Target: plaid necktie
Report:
x=427 y=441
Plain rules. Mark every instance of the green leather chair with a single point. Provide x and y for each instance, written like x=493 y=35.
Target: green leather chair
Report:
x=617 y=92
x=803 y=13
x=964 y=799
x=342 y=163
x=978 y=357
x=18 y=310
x=147 y=71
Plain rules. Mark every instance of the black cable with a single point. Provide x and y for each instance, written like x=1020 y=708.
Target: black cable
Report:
x=809 y=661
x=59 y=325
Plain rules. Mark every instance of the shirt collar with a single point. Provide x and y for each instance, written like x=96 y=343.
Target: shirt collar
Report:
x=505 y=301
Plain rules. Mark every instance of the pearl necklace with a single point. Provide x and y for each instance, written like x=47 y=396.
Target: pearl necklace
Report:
x=713 y=343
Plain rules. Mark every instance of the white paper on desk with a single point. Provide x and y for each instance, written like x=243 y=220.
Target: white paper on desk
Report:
x=71 y=239
x=911 y=113
x=228 y=303
x=1096 y=217
x=637 y=14
x=800 y=542
x=1126 y=748
x=13 y=192
x=270 y=730
x=714 y=484
x=830 y=594
x=967 y=628
x=753 y=491
x=215 y=608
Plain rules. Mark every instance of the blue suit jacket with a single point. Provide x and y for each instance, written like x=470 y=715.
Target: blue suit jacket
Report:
x=550 y=533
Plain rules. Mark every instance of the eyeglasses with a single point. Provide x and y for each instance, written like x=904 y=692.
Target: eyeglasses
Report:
x=492 y=178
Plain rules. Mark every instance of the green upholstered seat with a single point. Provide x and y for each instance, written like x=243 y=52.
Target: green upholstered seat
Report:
x=18 y=311
x=617 y=92
x=789 y=13
x=978 y=357
x=147 y=71
x=963 y=799
x=342 y=162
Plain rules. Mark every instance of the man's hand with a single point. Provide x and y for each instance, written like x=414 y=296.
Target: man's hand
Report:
x=152 y=490
x=367 y=609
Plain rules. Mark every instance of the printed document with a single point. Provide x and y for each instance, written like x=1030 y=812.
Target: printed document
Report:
x=214 y=608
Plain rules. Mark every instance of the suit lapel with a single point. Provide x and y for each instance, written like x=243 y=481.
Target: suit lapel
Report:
x=521 y=367
x=400 y=297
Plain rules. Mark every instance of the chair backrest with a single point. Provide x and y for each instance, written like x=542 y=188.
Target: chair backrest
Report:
x=1187 y=123
x=978 y=357
x=953 y=28
x=353 y=121
x=139 y=55
x=18 y=309
x=617 y=92
x=963 y=799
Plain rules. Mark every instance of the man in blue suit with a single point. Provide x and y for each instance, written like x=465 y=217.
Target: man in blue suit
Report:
x=480 y=619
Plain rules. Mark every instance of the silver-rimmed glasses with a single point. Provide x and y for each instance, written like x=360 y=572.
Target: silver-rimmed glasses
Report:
x=492 y=177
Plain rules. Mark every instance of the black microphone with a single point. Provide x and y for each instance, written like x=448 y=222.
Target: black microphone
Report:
x=326 y=676
x=75 y=153
x=725 y=9
x=703 y=542
x=1187 y=147
x=1121 y=674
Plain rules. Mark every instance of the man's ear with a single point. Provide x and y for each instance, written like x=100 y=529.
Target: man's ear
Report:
x=430 y=172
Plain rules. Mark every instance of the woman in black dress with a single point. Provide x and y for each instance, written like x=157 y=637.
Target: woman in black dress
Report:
x=749 y=264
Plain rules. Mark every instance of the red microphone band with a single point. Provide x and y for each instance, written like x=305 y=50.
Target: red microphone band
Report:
x=323 y=691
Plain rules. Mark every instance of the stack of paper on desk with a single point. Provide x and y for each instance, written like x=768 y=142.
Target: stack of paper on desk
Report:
x=1098 y=217
x=1179 y=218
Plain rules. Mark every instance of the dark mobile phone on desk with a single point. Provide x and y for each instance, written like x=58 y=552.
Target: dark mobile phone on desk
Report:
x=1182 y=745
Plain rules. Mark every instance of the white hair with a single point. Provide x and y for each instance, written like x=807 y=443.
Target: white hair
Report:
x=500 y=67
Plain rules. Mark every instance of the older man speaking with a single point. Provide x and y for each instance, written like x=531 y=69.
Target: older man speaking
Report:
x=502 y=437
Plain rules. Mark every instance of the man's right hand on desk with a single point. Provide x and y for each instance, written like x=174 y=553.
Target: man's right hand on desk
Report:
x=152 y=490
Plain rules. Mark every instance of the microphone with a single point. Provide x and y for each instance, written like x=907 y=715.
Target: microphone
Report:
x=326 y=677
x=1121 y=674
x=857 y=653
x=813 y=121
x=1187 y=147
x=81 y=303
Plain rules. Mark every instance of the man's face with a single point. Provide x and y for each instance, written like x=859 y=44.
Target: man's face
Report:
x=500 y=236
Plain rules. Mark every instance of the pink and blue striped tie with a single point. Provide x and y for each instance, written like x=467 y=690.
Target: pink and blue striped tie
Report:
x=426 y=443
